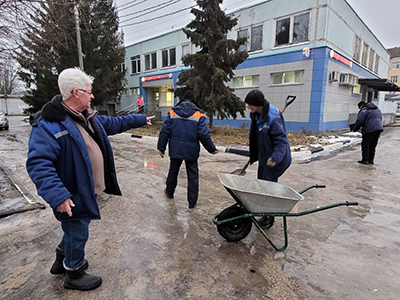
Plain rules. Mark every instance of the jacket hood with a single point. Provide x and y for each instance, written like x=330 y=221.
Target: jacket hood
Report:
x=52 y=111
x=185 y=108
x=370 y=105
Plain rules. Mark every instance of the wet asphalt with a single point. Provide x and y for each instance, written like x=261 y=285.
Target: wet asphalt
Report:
x=147 y=246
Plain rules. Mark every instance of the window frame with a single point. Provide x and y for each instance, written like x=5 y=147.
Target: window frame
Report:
x=365 y=54
x=395 y=65
x=291 y=30
x=248 y=45
x=394 y=77
x=168 y=51
x=152 y=61
x=357 y=49
x=283 y=83
x=242 y=78
x=136 y=59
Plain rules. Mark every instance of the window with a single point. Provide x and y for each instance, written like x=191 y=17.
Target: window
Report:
x=243 y=34
x=135 y=91
x=292 y=30
x=185 y=49
x=393 y=79
x=376 y=63
x=254 y=41
x=395 y=65
x=246 y=81
x=288 y=77
x=371 y=59
x=168 y=57
x=123 y=68
x=357 y=48
x=365 y=54
x=348 y=79
x=150 y=61
x=135 y=64
x=167 y=96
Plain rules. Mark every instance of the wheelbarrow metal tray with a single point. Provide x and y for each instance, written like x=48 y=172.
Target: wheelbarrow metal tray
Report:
x=261 y=196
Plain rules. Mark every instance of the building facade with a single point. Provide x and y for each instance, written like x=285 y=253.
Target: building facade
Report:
x=316 y=50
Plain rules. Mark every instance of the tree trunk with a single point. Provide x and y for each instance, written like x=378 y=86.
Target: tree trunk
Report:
x=211 y=123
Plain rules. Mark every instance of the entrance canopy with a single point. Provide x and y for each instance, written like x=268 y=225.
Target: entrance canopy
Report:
x=379 y=84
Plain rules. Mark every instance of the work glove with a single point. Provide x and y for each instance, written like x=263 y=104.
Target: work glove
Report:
x=161 y=153
x=271 y=163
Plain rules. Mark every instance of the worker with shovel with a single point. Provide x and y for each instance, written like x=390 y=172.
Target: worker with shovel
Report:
x=269 y=144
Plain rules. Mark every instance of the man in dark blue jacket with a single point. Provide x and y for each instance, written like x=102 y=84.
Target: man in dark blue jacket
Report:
x=184 y=127
x=269 y=144
x=70 y=161
x=369 y=118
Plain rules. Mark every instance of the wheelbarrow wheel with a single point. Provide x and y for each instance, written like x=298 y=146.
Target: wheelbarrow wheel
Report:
x=235 y=230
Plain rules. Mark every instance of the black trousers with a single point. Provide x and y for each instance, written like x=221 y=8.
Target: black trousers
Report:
x=368 y=146
x=192 y=171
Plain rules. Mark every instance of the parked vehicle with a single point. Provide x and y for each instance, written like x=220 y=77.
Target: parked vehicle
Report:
x=4 y=124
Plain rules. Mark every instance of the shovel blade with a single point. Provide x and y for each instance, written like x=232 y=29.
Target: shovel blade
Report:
x=239 y=172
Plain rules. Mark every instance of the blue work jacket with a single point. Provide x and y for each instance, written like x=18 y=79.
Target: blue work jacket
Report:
x=268 y=139
x=58 y=160
x=183 y=128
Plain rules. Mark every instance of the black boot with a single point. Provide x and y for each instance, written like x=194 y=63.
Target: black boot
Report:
x=80 y=280
x=58 y=268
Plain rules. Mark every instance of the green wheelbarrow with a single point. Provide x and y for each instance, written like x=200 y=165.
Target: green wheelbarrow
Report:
x=259 y=198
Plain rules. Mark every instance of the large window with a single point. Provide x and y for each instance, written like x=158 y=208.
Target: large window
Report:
x=135 y=64
x=150 y=61
x=254 y=37
x=365 y=54
x=167 y=95
x=394 y=79
x=371 y=59
x=292 y=30
x=357 y=48
x=287 y=77
x=246 y=81
x=168 y=57
x=135 y=91
x=376 y=63
x=395 y=65
x=185 y=49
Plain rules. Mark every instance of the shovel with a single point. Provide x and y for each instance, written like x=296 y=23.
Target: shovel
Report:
x=242 y=171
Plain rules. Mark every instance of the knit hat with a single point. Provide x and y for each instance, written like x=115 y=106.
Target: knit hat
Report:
x=255 y=98
x=188 y=95
x=361 y=104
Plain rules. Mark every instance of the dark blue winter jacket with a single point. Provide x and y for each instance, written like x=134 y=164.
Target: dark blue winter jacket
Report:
x=183 y=128
x=369 y=118
x=58 y=161
x=268 y=139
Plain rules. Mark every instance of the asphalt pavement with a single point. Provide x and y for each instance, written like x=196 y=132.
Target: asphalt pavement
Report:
x=147 y=246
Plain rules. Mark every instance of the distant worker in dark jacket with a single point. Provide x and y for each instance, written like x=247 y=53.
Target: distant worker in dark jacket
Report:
x=70 y=161
x=184 y=127
x=269 y=144
x=369 y=119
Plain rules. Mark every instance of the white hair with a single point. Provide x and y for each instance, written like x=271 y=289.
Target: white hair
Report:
x=73 y=78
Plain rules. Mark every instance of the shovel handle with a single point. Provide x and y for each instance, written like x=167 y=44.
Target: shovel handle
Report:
x=246 y=165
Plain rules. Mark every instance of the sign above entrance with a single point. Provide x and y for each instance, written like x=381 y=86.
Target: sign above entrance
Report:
x=340 y=58
x=156 y=77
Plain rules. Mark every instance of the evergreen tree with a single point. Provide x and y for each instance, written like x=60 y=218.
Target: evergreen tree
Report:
x=212 y=67
x=49 y=46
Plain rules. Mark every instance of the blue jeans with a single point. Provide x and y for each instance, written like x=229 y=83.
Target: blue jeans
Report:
x=76 y=234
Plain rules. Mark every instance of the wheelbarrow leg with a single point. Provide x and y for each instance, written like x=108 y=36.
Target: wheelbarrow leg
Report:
x=257 y=224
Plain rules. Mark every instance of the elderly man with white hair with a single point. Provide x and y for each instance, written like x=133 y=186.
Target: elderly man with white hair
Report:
x=70 y=161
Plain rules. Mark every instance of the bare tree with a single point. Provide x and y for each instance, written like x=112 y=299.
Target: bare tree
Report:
x=13 y=21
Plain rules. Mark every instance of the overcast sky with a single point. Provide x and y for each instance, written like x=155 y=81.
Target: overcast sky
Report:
x=143 y=19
